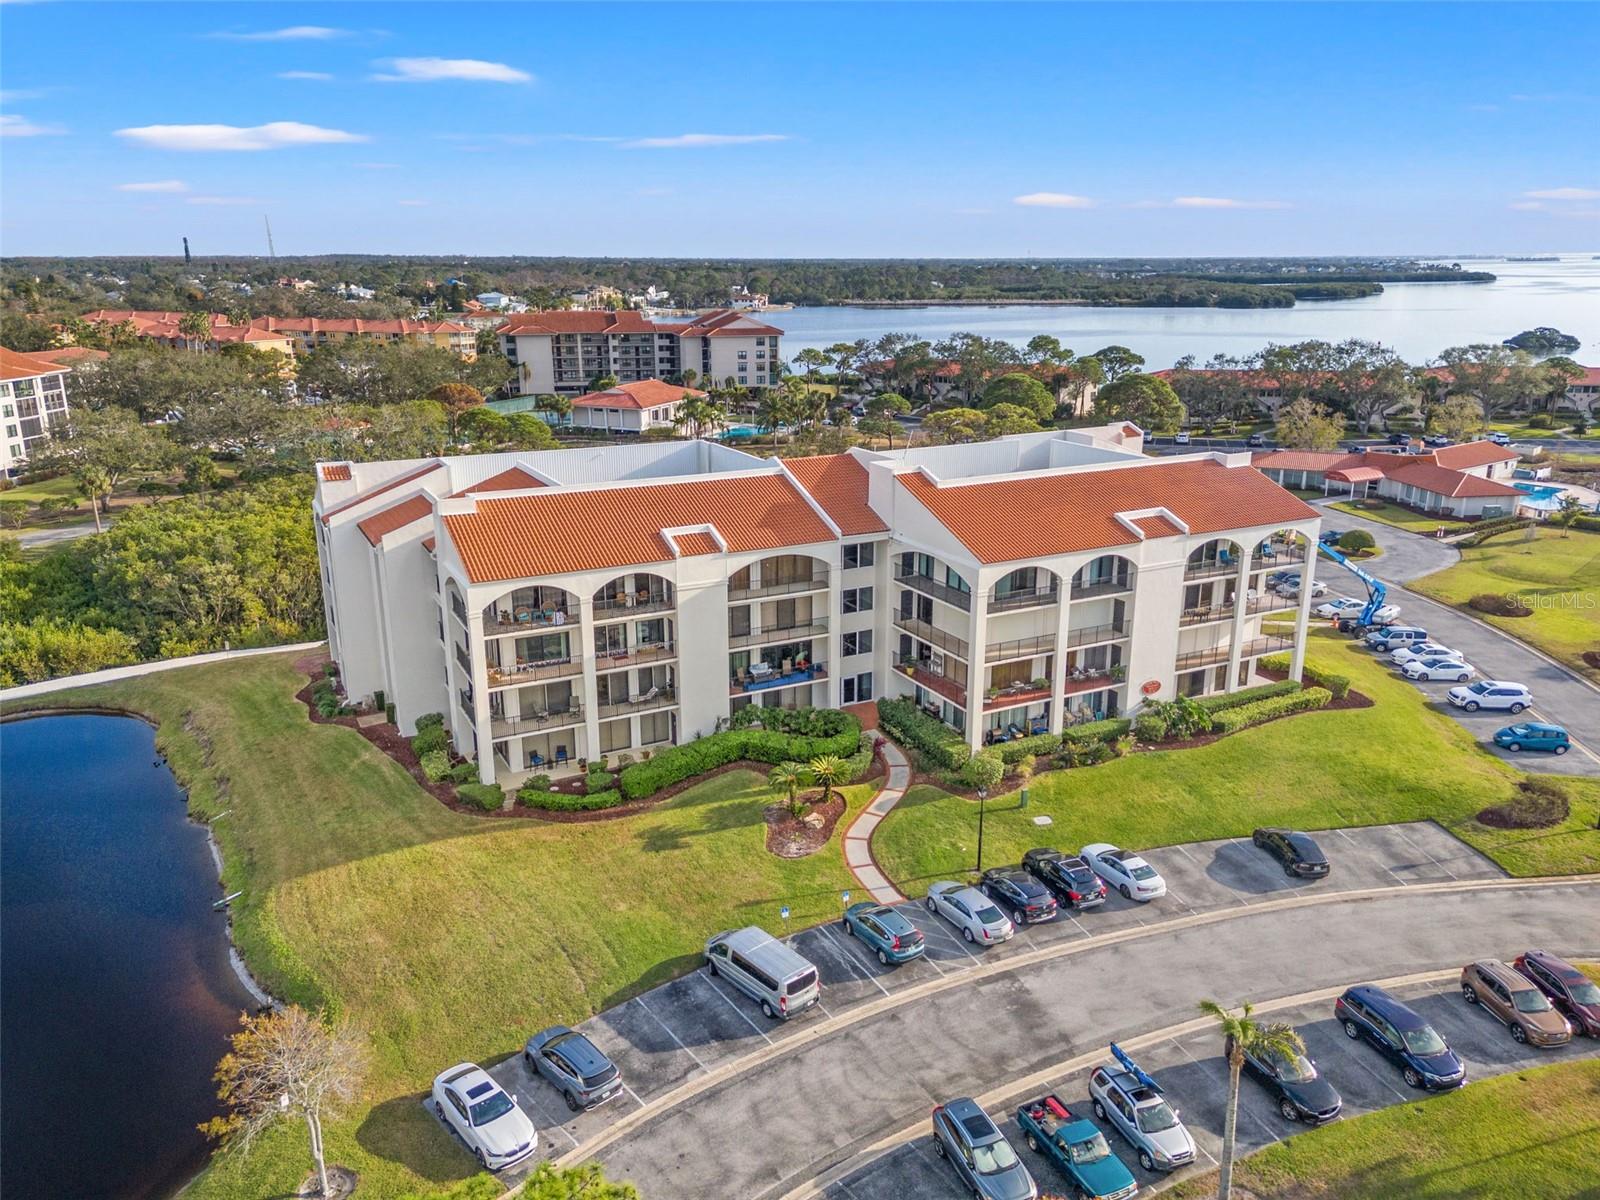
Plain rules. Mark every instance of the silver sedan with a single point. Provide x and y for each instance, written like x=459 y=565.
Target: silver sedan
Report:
x=970 y=911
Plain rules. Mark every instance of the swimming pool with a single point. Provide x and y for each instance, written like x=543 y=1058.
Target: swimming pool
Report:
x=1546 y=497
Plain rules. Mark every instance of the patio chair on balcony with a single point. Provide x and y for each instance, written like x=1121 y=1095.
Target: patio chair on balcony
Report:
x=1267 y=550
x=535 y=759
x=650 y=695
x=1039 y=725
x=561 y=756
x=1225 y=558
x=1013 y=730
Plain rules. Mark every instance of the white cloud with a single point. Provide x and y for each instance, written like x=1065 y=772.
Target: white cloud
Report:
x=1565 y=193
x=1053 y=200
x=222 y=200
x=1224 y=202
x=272 y=136
x=158 y=185
x=12 y=95
x=13 y=125
x=435 y=70
x=294 y=33
x=413 y=203
x=1529 y=206
x=691 y=141
x=319 y=76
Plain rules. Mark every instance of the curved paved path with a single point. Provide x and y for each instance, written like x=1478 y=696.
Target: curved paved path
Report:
x=858 y=838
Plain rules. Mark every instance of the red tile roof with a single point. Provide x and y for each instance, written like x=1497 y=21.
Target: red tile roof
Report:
x=1042 y=515
x=691 y=545
x=1442 y=481
x=646 y=393
x=838 y=482
x=396 y=516
x=1472 y=454
x=429 y=544
x=336 y=472
x=1156 y=526
x=408 y=477
x=578 y=321
x=726 y=322
x=68 y=355
x=16 y=365
x=557 y=531
x=311 y=325
x=513 y=479
x=1419 y=470
x=1355 y=474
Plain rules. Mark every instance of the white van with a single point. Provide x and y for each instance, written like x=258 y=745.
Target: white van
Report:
x=764 y=969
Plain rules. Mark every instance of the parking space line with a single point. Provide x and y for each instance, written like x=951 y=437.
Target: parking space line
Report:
x=1079 y=925
x=539 y=1109
x=632 y=1095
x=1401 y=1096
x=1237 y=897
x=1402 y=833
x=1385 y=866
x=938 y=924
x=639 y=1000
x=743 y=1016
x=1241 y=1108
x=849 y=959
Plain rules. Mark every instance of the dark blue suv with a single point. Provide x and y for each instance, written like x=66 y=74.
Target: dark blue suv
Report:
x=1401 y=1035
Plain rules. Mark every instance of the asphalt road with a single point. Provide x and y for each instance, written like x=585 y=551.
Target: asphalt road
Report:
x=722 y=1102
x=1163 y=444
x=1559 y=695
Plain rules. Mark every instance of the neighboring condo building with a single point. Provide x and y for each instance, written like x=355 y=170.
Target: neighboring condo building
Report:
x=33 y=401
x=289 y=335
x=1472 y=479
x=562 y=352
x=558 y=605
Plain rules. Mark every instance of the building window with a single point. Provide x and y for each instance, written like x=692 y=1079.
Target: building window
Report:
x=856 y=643
x=859 y=554
x=761 y=341
x=857 y=600
x=655 y=727
x=743 y=354
x=615 y=735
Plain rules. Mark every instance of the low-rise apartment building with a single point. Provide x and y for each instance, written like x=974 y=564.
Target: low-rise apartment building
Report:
x=289 y=335
x=1469 y=480
x=559 y=605
x=33 y=401
x=562 y=352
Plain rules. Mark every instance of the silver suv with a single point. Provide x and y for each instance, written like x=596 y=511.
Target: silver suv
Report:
x=1131 y=1102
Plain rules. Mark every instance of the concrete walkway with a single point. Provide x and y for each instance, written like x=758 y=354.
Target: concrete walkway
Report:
x=858 y=838
x=112 y=674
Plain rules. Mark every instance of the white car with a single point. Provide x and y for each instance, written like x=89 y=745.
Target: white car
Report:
x=1491 y=693
x=1125 y=871
x=1180 y=439
x=970 y=911
x=484 y=1116
x=1401 y=655
x=1339 y=606
x=1438 y=668
x=1291 y=587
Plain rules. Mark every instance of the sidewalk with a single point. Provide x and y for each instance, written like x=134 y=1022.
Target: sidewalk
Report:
x=858 y=838
x=112 y=674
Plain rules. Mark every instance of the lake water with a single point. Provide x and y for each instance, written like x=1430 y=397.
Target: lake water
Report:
x=1416 y=319
x=116 y=994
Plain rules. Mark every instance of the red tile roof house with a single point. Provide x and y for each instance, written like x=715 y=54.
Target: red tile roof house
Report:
x=560 y=605
x=1466 y=482
x=631 y=407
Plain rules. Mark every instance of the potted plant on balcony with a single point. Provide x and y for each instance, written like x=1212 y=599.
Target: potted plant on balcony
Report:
x=1118 y=673
x=908 y=664
x=993 y=693
x=1039 y=684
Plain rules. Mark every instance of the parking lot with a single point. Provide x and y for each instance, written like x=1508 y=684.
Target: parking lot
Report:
x=696 y=1024
x=1194 y=1075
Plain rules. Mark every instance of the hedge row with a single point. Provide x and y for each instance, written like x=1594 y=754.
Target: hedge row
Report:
x=530 y=797
x=1216 y=704
x=1338 y=685
x=1041 y=744
x=1097 y=732
x=644 y=779
x=1592 y=524
x=487 y=796
x=1232 y=720
x=859 y=763
x=916 y=730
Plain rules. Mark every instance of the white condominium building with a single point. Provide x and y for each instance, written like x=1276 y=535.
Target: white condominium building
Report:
x=33 y=400
x=562 y=352
x=564 y=604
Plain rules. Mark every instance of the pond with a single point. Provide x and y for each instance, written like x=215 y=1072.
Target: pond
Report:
x=116 y=993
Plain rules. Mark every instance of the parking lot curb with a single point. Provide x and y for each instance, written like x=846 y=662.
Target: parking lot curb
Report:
x=1000 y=1097
x=817 y=1031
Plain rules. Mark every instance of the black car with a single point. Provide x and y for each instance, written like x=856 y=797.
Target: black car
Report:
x=1071 y=879
x=1399 y=439
x=1299 y=854
x=1329 y=536
x=1399 y=1033
x=1023 y=897
x=1295 y=1084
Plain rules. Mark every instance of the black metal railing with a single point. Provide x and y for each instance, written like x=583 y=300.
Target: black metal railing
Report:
x=785 y=633
x=534 y=722
x=643 y=702
x=1028 y=598
x=1101 y=587
x=779 y=587
x=932 y=587
x=1019 y=648
x=1109 y=632
x=933 y=635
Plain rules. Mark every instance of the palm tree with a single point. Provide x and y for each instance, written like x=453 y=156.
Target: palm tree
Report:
x=94 y=483
x=196 y=329
x=1240 y=1034
x=789 y=777
x=828 y=770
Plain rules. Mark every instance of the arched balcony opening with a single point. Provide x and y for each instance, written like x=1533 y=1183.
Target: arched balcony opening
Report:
x=1025 y=587
x=635 y=622
x=1108 y=575
x=524 y=610
x=632 y=595
x=778 y=575
x=778 y=627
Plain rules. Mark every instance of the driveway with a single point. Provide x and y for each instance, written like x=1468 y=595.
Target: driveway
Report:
x=722 y=1102
x=55 y=535
x=1559 y=695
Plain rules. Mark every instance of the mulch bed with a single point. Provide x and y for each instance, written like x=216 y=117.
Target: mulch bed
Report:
x=791 y=838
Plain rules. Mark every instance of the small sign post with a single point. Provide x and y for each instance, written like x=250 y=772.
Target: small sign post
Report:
x=784 y=913
x=844 y=899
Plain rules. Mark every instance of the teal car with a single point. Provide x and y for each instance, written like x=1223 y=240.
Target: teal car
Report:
x=1533 y=735
x=1077 y=1148
x=887 y=932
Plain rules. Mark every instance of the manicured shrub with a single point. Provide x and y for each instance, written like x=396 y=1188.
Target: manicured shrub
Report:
x=1337 y=685
x=1216 y=704
x=902 y=720
x=983 y=770
x=1592 y=524
x=430 y=721
x=1091 y=732
x=599 y=781
x=678 y=763
x=464 y=772
x=1149 y=728
x=531 y=797
x=1354 y=540
x=1499 y=605
x=488 y=796
x=859 y=763
x=1234 y=719
x=1037 y=745
x=536 y=783
x=1183 y=716
x=1541 y=421
x=429 y=740
x=435 y=765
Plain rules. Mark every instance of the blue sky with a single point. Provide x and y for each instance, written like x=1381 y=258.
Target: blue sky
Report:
x=800 y=130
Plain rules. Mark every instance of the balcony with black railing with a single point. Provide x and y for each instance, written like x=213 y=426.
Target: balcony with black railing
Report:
x=1017 y=648
x=933 y=635
x=928 y=586
x=816 y=582
x=535 y=721
x=1107 y=585
x=657 y=697
x=1025 y=598
x=778 y=633
x=1110 y=631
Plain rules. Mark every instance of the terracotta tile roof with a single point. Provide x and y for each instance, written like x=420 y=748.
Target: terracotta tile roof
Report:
x=1304 y=460
x=557 y=531
x=1419 y=470
x=1129 y=429
x=1156 y=526
x=418 y=473
x=646 y=393
x=429 y=544
x=396 y=516
x=727 y=322
x=1039 y=516
x=691 y=545
x=512 y=479
x=1355 y=474
x=1472 y=454
x=16 y=365
x=354 y=325
x=68 y=355
x=838 y=482
x=1442 y=481
x=335 y=472
x=578 y=321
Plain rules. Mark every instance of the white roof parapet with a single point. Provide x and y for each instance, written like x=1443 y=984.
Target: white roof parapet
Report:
x=673 y=534
x=1130 y=518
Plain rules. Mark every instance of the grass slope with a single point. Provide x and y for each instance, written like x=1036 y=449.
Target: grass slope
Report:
x=446 y=936
x=1530 y=1133
x=1393 y=514
x=1558 y=577
x=1396 y=761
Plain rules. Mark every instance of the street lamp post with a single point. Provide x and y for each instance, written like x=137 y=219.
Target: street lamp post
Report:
x=983 y=794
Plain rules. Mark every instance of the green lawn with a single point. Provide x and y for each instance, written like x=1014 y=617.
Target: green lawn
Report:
x=447 y=937
x=1393 y=514
x=1557 y=576
x=1530 y=1133
x=1312 y=771
x=1522 y=431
